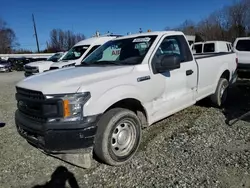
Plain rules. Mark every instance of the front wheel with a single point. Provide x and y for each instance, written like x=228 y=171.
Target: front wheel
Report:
x=220 y=95
x=118 y=136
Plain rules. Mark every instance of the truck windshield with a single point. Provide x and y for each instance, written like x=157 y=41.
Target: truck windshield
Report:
x=243 y=45
x=75 y=52
x=55 y=57
x=129 y=51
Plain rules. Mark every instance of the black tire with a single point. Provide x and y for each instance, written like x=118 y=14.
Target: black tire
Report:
x=220 y=96
x=114 y=124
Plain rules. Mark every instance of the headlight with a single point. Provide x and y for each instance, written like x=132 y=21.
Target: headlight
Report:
x=72 y=105
x=70 y=65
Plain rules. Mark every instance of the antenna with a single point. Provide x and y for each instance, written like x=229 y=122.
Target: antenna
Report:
x=34 y=24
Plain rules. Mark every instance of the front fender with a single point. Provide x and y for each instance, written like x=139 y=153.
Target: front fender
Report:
x=110 y=97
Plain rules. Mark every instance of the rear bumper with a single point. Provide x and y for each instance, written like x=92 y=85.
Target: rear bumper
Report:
x=56 y=138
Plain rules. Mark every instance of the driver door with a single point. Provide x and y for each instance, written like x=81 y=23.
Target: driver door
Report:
x=177 y=86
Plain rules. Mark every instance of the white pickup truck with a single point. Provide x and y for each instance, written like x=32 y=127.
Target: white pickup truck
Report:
x=242 y=49
x=41 y=66
x=104 y=103
x=80 y=51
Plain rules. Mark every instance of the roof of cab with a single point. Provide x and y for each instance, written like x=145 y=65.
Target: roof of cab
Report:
x=211 y=41
x=150 y=33
x=95 y=40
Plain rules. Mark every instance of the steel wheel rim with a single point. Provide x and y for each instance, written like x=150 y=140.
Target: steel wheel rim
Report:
x=123 y=138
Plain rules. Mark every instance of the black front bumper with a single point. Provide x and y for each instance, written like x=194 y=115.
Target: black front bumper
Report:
x=26 y=74
x=57 y=137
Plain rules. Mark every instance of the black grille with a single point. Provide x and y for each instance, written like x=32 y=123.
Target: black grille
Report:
x=33 y=117
x=30 y=68
x=29 y=104
x=37 y=95
x=53 y=68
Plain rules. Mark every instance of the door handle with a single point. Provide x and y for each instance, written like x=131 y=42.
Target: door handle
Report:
x=189 y=72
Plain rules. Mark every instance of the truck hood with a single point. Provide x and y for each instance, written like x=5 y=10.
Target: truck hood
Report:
x=69 y=80
x=60 y=64
x=39 y=63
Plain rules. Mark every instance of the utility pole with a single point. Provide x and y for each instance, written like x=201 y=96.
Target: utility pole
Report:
x=34 y=24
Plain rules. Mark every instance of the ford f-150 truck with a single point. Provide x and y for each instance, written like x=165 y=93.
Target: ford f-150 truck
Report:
x=104 y=103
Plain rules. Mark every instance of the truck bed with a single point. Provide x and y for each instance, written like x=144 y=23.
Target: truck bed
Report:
x=209 y=63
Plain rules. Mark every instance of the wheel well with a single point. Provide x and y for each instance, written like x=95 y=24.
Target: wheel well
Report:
x=133 y=105
x=226 y=74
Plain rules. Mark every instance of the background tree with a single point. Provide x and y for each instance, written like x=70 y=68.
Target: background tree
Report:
x=7 y=38
x=227 y=23
x=63 y=40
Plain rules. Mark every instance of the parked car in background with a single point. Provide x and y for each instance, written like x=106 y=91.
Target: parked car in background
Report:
x=5 y=66
x=81 y=50
x=242 y=49
x=211 y=47
x=18 y=63
x=42 y=66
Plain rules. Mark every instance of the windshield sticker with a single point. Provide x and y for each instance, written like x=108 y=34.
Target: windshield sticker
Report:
x=146 y=39
x=84 y=47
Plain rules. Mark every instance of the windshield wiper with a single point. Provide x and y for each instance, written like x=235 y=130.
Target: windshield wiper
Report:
x=96 y=63
x=106 y=63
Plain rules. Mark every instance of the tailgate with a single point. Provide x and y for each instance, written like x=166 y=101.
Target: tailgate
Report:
x=243 y=57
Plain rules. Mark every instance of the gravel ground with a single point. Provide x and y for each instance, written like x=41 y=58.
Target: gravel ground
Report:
x=193 y=148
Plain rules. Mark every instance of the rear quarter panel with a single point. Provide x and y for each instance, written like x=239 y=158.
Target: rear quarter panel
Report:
x=210 y=69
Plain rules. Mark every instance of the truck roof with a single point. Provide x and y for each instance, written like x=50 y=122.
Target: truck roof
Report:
x=95 y=40
x=243 y=38
x=212 y=41
x=150 y=33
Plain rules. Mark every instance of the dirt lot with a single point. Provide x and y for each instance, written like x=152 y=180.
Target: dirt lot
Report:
x=193 y=148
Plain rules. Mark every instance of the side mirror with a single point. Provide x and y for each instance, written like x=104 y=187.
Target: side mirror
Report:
x=168 y=62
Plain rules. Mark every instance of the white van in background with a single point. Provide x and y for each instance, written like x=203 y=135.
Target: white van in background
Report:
x=211 y=47
x=81 y=50
x=242 y=49
x=190 y=39
x=42 y=66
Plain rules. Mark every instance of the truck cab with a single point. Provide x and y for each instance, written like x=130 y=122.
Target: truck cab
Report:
x=102 y=105
x=80 y=51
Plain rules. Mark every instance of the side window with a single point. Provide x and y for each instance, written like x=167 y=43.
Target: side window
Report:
x=92 y=49
x=209 y=47
x=198 y=48
x=169 y=46
x=228 y=47
x=174 y=45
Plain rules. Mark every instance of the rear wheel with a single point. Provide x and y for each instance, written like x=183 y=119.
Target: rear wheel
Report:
x=118 y=136
x=220 y=95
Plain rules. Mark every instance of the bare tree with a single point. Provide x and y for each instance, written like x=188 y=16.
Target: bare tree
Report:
x=63 y=40
x=227 y=23
x=7 y=38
